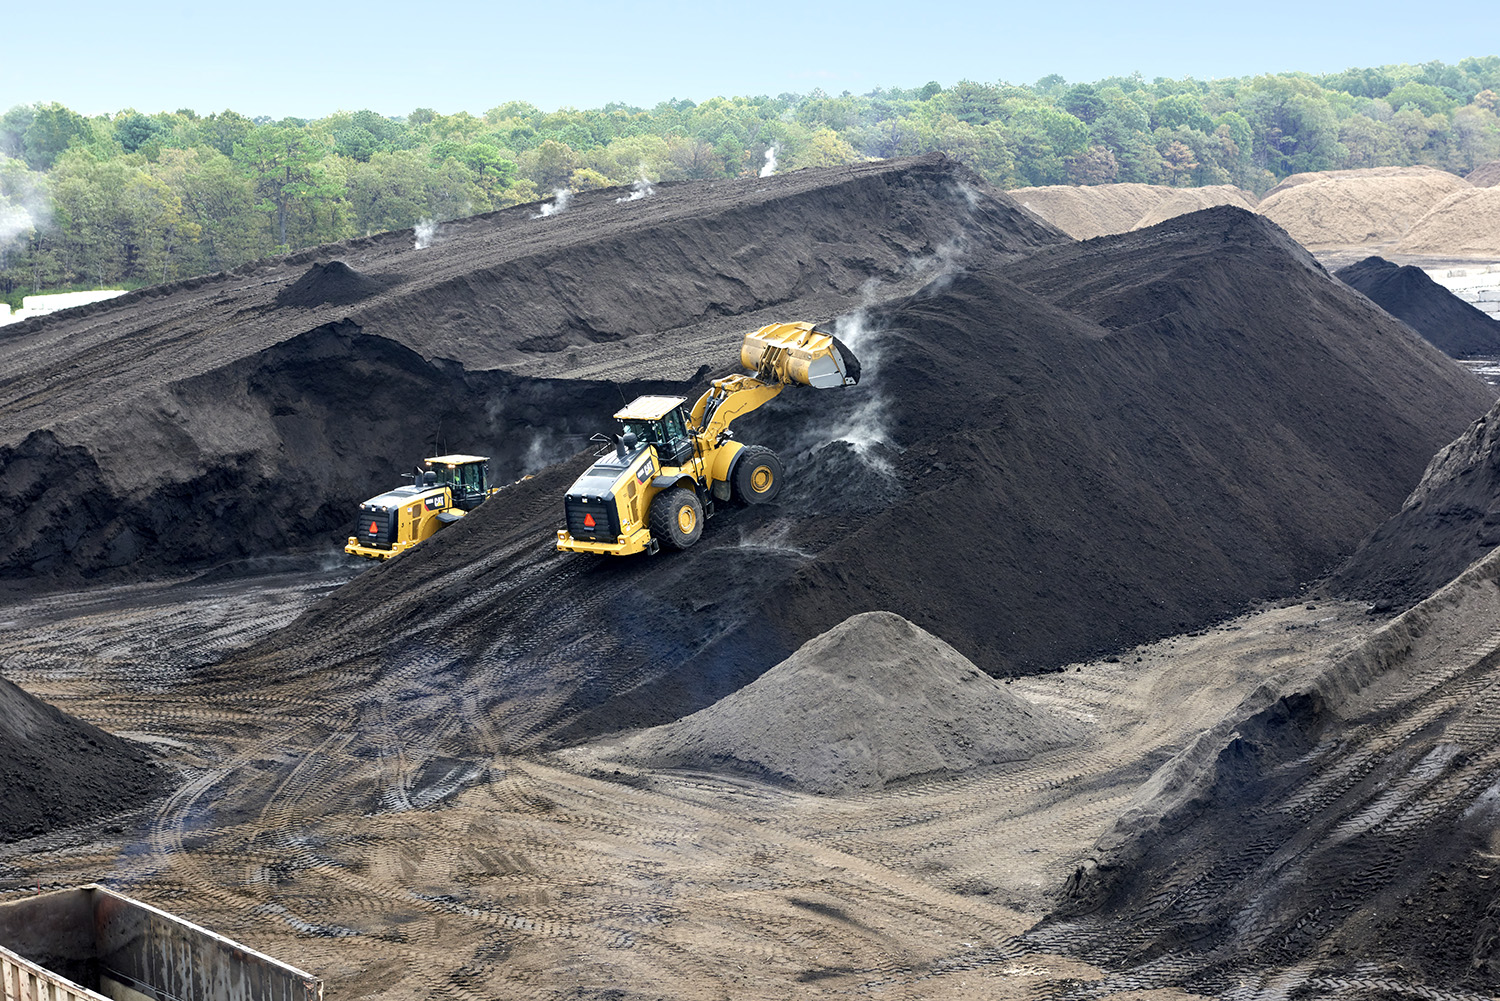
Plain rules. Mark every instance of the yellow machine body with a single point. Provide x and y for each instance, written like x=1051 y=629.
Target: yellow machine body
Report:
x=444 y=490
x=616 y=507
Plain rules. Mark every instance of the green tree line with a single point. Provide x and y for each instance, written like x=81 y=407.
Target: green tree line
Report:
x=132 y=199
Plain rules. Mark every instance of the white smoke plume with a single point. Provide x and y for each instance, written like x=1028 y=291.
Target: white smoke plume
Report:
x=15 y=221
x=545 y=448
x=856 y=416
x=942 y=265
x=24 y=207
x=775 y=536
x=558 y=205
x=427 y=233
x=865 y=426
x=770 y=167
x=640 y=189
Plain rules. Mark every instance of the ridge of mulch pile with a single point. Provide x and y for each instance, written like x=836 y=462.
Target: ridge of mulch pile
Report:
x=1450 y=520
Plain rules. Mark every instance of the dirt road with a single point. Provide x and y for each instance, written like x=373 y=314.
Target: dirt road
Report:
x=307 y=832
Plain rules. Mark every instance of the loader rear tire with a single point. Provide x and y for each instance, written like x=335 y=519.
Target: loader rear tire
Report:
x=757 y=475
x=676 y=518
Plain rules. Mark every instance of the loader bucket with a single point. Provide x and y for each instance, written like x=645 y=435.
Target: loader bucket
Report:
x=800 y=353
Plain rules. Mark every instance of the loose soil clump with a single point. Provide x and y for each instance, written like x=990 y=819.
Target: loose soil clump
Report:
x=330 y=284
x=57 y=770
x=1344 y=208
x=1407 y=293
x=870 y=702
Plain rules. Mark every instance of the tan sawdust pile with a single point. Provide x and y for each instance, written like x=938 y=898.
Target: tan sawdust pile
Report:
x=1084 y=212
x=1181 y=201
x=1350 y=208
x=1355 y=173
x=871 y=701
x=1486 y=175
x=1465 y=224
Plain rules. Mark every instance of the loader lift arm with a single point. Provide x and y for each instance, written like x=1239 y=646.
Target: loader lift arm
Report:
x=779 y=355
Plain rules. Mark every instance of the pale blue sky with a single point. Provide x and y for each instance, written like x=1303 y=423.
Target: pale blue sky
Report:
x=314 y=58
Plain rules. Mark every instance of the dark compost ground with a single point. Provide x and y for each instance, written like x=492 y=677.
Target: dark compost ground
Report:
x=1340 y=822
x=1104 y=443
x=246 y=413
x=1437 y=314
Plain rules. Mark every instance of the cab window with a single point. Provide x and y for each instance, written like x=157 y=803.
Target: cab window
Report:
x=646 y=432
x=673 y=426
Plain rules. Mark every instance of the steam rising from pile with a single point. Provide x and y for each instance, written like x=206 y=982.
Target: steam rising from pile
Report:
x=558 y=205
x=426 y=230
x=23 y=206
x=640 y=189
x=770 y=167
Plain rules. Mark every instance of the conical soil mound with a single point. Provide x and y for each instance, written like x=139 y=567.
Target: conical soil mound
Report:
x=872 y=701
x=1407 y=293
x=57 y=770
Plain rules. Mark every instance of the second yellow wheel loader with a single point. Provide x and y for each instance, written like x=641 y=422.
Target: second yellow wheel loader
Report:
x=669 y=465
x=448 y=488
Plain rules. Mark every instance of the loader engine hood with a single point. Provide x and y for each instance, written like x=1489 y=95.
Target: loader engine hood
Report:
x=592 y=503
x=376 y=523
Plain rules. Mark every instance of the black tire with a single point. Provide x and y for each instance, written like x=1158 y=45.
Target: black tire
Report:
x=757 y=475
x=676 y=518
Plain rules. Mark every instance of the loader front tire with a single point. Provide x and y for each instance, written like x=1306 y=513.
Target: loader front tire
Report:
x=757 y=475
x=676 y=518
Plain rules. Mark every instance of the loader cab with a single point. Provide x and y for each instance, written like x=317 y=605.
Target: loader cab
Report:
x=468 y=476
x=661 y=422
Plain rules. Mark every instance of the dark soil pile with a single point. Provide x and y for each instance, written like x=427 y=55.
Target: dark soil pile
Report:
x=1437 y=314
x=1450 y=520
x=870 y=702
x=1486 y=175
x=1102 y=444
x=273 y=451
x=57 y=770
x=1338 y=823
x=248 y=413
x=332 y=284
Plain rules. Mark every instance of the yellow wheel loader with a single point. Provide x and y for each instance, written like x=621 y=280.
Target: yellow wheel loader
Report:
x=443 y=489
x=669 y=466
